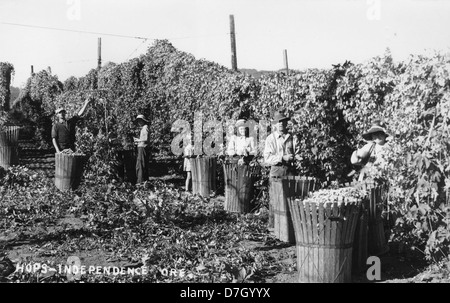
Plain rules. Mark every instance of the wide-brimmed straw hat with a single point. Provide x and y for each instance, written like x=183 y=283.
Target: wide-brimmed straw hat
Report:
x=240 y=122
x=279 y=117
x=142 y=117
x=59 y=109
x=375 y=128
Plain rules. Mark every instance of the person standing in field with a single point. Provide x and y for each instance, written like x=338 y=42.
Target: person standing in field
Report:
x=64 y=130
x=241 y=144
x=188 y=153
x=280 y=152
x=281 y=148
x=368 y=156
x=371 y=158
x=143 y=147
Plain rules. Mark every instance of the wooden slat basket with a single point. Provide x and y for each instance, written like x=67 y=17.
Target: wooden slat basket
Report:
x=127 y=165
x=9 y=143
x=203 y=171
x=373 y=206
x=68 y=170
x=281 y=189
x=239 y=180
x=324 y=238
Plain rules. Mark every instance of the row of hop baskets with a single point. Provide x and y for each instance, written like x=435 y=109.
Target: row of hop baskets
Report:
x=335 y=230
x=238 y=179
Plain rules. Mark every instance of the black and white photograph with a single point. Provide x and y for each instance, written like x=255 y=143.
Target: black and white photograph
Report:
x=230 y=149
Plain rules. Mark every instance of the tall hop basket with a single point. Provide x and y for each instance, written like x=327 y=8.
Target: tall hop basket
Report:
x=282 y=188
x=69 y=169
x=203 y=171
x=371 y=222
x=9 y=144
x=324 y=226
x=127 y=165
x=239 y=180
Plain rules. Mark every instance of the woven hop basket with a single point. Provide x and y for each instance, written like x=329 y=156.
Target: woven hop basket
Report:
x=324 y=225
x=9 y=143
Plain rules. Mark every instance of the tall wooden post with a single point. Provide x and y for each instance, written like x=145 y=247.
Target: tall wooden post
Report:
x=99 y=62
x=286 y=62
x=32 y=70
x=233 y=44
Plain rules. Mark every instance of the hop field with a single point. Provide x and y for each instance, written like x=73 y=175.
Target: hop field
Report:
x=159 y=225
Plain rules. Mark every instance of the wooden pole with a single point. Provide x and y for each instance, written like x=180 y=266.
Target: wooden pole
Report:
x=32 y=70
x=286 y=62
x=99 y=62
x=233 y=44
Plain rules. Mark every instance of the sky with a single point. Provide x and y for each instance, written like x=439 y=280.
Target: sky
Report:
x=63 y=34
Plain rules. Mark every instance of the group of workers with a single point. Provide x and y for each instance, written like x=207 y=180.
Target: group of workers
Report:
x=280 y=151
x=64 y=137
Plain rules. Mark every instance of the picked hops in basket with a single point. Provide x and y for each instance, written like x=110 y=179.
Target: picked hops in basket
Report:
x=340 y=195
x=324 y=225
x=69 y=151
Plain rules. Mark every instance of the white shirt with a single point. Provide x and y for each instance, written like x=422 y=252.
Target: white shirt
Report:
x=143 y=137
x=239 y=144
x=188 y=150
x=278 y=145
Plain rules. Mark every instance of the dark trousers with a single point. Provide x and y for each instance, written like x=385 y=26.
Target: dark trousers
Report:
x=142 y=164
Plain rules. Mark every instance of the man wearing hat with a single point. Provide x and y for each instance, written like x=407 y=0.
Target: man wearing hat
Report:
x=279 y=152
x=370 y=152
x=241 y=145
x=143 y=149
x=280 y=148
x=64 y=130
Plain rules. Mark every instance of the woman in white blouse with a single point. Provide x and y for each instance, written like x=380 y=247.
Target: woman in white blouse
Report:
x=240 y=144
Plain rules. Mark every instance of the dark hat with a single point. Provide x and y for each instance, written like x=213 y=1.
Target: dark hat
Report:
x=279 y=117
x=375 y=128
x=142 y=117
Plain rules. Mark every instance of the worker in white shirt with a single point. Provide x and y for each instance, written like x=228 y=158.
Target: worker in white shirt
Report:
x=280 y=152
x=281 y=148
x=242 y=145
x=142 y=149
x=188 y=153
